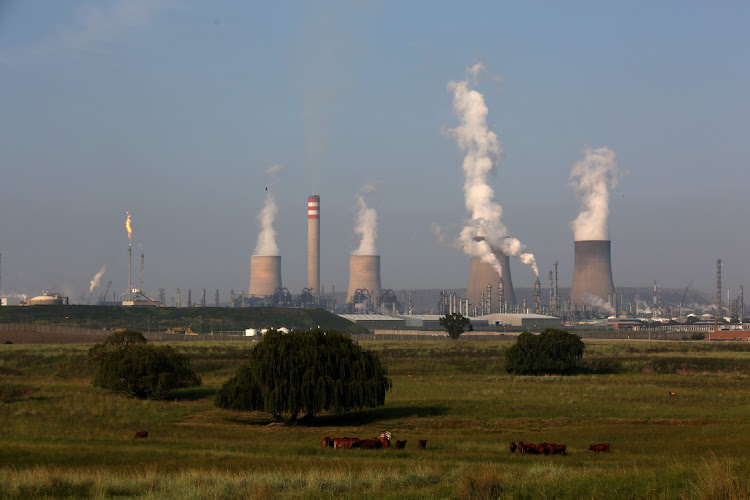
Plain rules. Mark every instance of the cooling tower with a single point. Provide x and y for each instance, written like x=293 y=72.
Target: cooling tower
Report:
x=482 y=274
x=364 y=273
x=265 y=275
x=313 y=244
x=592 y=273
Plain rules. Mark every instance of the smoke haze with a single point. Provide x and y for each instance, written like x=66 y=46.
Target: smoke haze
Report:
x=485 y=230
x=97 y=279
x=592 y=179
x=366 y=224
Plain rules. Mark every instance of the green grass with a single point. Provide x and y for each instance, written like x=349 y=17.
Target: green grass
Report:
x=64 y=438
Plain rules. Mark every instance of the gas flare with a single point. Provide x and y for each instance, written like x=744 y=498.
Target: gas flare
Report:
x=127 y=226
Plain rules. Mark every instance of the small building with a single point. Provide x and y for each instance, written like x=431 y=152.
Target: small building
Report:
x=730 y=335
x=379 y=321
x=525 y=321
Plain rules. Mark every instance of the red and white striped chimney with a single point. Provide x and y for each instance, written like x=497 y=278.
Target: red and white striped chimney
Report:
x=313 y=244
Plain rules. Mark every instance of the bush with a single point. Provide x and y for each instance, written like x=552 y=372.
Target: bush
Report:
x=455 y=324
x=125 y=362
x=309 y=372
x=552 y=351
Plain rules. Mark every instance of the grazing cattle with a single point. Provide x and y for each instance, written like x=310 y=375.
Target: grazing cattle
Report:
x=141 y=434
x=560 y=448
x=385 y=439
x=600 y=447
x=532 y=450
x=672 y=393
x=513 y=447
x=522 y=447
x=422 y=444
x=326 y=442
x=371 y=444
x=346 y=442
x=400 y=445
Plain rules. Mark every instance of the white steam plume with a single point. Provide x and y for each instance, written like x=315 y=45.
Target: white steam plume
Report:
x=485 y=230
x=592 y=179
x=597 y=302
x=97 y=279
x=267 y=238
x=266 y=244
x=366 y=225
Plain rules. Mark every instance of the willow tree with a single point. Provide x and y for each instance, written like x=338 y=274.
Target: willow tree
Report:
x=295 y=373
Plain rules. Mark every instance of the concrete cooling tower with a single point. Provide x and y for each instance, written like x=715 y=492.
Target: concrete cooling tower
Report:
x=592 y=273
x=364 y=274
x=265 y=275
x=482 y=274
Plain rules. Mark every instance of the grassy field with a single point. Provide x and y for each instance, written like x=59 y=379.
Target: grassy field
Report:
x=62 y=437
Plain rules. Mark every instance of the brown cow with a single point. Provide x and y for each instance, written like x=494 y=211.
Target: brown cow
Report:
x=400 y=445
x=513 y=447
x=672 y=393
x=326 y=442
x=560 y=448
x=421 y=444
x=371 y=444
x=600 y=447
x=142 y=434
x=385 y=439
x=346 y=442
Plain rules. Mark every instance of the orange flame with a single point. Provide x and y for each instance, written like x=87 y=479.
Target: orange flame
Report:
x=127 y=226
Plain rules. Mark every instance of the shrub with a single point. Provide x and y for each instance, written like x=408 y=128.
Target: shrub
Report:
x=306 y=372
x=455 y=324
x=125 y=362
x=552 y=351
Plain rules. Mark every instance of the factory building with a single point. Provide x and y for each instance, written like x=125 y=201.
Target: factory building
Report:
x=529 y=322
x=375 y=321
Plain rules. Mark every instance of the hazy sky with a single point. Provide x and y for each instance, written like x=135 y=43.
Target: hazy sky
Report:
x=174 y=111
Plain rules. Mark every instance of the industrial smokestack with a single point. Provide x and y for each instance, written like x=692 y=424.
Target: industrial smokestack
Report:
x=313 y=244
x=482 y=274
x=364 y=274
x=592 y=274
x=265 y=275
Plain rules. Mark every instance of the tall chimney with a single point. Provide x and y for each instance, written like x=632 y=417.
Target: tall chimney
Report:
x=313 y=244
x=482 y=274
x=265 y=275
x=364 y=274
x=592 y=272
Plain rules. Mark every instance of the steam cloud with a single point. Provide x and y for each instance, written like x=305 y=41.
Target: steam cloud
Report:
x=485 y=230
x=266 y=244
x=592 y=179
x=366 y=224
x=97 y=279
x=597 y=302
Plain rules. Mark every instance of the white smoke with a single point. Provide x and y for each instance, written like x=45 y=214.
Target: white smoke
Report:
x=597 y=303
x=273 y=170
x=366 y=225
x=485 y=230
x=437 y=232
x=592 y=179
x=267 y=238
x=97 y=279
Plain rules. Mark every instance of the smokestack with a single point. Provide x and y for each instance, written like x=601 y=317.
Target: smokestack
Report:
x=313 y=244
x=265 y=275
x=482 y=274
x=364 y=274
x=592 y=273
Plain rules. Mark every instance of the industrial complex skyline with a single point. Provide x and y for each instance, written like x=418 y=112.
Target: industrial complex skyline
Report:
x=199 y=122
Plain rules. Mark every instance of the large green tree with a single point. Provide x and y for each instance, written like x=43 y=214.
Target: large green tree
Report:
x=126 y=363
x=455 y=324
x=306 y=372
x=552 y=351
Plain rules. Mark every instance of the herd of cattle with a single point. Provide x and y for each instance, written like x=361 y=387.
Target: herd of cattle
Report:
x=551 y=448
x=382 y=441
